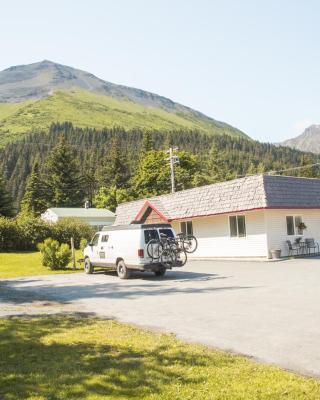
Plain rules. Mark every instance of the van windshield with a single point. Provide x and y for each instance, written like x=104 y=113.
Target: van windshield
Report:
x=150 y=234
x=167 y=232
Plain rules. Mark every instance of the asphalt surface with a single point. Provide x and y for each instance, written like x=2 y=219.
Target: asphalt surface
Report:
x=270 y=311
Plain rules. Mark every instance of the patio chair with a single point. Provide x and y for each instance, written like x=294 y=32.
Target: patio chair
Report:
x=292 y=248
x=311 y=244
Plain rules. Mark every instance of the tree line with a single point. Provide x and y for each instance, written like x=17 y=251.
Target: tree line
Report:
x=68 y=165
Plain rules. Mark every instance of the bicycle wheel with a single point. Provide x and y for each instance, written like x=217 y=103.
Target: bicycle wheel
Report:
x=166 y=258
x=154 y=249
x=190 y=244
x=181 y=258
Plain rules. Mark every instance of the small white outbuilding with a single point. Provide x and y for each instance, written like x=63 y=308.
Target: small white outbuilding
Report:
x=245 y=217
x=96 y=217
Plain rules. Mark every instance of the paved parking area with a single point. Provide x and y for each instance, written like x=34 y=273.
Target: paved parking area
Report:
x=270 y=311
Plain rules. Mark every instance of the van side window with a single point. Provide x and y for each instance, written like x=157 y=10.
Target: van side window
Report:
x=104 y=238
x=167 y=232
x=150 y=234
x=95 y=240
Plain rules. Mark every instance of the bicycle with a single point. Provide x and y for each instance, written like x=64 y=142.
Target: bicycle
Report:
x=168 y=251
x=188 y=242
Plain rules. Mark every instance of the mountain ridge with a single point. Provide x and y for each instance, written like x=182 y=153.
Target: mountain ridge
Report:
x=38 y=81
x=308 y=140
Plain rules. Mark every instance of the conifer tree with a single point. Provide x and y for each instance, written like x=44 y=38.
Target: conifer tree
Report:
x=147 y=142
x=261 y=168
x=63 y=178
x=216 y=169
x=308 y=172
x=6 y=203
x=114 y=170
x=34 y=201
x=252 y=170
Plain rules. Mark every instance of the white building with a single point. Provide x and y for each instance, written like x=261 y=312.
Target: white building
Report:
x=246 y=217
x=96 y=217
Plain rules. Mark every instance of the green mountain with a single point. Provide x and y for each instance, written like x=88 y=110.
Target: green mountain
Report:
x=34 y=96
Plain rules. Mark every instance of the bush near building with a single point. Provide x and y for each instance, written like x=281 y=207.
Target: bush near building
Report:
x=24 y=233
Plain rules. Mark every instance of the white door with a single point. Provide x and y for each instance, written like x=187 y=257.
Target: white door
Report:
x=94 y=249
x=103 y=249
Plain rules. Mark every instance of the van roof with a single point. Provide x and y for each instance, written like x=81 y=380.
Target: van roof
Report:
x=134 y=227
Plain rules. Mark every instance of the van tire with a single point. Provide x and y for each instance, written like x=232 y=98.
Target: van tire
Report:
x=88 y=267
x=160 y=272
x=122 y=271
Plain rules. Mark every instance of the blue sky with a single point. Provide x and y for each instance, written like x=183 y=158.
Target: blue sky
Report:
x=253 y=64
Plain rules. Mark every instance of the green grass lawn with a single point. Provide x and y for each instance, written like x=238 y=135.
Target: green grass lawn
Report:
x=60 y=357
x=26 y=264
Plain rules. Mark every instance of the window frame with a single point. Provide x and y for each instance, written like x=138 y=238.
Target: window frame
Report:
x=152 y=237
x=295 y=228
x=95 y=243
x=186 y=225
x=236 y=216
x=104 y=238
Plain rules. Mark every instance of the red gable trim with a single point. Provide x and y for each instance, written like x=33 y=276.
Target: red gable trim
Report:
x=245 y=210
x=144 y=208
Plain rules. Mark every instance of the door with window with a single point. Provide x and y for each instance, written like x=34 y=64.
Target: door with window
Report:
x=94 y=248
x=103 y=249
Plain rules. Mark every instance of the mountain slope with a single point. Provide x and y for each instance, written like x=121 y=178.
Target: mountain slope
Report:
x=32 y=96
x=309 y=140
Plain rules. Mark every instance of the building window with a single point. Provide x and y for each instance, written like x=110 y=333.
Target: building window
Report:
x=293 y=222
x=237 y=225
x=186 y=228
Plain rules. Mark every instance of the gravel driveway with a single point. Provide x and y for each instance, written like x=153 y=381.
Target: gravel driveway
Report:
x=270 y=311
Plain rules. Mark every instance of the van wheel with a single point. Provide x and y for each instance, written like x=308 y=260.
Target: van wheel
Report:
x=160 y=272
x=122 y=271
x=88 y=267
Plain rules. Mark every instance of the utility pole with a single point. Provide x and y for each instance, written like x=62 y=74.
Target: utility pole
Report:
x=172 y=160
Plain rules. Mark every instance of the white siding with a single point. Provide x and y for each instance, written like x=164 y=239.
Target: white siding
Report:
x=214 y=237
x=277 y=227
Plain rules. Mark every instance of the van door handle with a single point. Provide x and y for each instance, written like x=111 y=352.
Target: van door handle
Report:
x=101 y=247
x=110 y=247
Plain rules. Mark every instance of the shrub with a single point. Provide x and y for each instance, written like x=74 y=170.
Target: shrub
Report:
x=66 y=228
x=9 y=234
x=54 y=255
x=83 y=243
x=24 y=232
x=31 y=230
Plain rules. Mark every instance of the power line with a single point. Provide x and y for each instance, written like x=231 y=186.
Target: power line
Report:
x=272 y=172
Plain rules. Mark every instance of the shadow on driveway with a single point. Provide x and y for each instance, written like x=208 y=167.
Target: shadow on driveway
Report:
x=149 y=286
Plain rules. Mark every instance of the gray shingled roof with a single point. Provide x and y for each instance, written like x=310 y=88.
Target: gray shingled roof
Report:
x=248 y=193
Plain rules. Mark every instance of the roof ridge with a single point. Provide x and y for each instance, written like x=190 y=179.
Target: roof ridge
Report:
x=264 y=189
x=190 y=189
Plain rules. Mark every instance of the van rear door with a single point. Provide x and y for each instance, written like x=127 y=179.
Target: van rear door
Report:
x=149 y=234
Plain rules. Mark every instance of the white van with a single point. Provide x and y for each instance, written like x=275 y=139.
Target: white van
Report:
x=124 y=248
